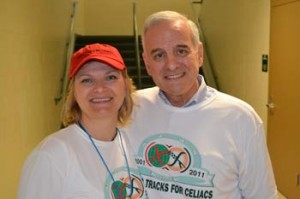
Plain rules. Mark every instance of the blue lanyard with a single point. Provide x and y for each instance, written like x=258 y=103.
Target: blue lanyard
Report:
x=102 y=159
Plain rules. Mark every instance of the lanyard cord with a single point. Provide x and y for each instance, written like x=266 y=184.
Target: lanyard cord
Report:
x=127 y=164
x=102 y=159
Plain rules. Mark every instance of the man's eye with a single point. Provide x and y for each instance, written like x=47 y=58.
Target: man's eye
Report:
x=182 y=52
x=158 y=56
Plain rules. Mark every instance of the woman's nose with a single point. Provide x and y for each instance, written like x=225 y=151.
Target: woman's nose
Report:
x=99 y=86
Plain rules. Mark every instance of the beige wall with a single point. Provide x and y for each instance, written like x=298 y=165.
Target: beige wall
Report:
x=237 y=34
x=107 y=17
x=33 y=38
x=79 y=19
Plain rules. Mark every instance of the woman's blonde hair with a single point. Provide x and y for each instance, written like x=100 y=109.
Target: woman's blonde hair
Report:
x=71 y=112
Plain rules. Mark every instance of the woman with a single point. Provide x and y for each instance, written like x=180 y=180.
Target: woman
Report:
x=90 y=157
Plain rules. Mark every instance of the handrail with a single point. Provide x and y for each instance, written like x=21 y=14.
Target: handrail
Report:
x=137 y=49
x=65 y=79
x=208 y=69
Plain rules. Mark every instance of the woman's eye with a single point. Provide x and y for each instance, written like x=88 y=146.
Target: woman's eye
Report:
x=86 y=80
x=111 y=77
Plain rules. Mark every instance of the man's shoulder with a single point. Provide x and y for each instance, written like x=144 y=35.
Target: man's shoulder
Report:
x=237 y=105
x=233 y=100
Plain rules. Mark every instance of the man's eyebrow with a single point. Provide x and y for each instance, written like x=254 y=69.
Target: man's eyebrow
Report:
x=177 y=46
x=182 y=46
x=155 y=50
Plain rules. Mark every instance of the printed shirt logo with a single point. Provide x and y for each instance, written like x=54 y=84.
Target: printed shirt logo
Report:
x=124 y=187
x=172 y=159
x=168 y=157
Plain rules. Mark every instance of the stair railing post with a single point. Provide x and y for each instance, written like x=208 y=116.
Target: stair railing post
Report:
x=208 y=69
x=70 y=47
x=137 y=50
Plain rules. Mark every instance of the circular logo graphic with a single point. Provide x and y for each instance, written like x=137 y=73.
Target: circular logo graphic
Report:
x=135 y=188
x=167 y=157
x=180 y=159
x=158 y=155
x=118 y=189
x=129 y=187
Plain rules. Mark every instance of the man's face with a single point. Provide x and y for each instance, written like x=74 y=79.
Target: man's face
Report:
x=172 y=59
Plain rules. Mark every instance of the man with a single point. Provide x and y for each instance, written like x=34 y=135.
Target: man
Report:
x=192 y=141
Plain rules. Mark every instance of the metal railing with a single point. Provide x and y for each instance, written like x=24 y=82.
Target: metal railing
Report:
x=137 y=48
x=70 y=47
x=208 y=69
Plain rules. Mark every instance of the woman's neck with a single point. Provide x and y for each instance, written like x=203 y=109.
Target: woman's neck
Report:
x=100 y=130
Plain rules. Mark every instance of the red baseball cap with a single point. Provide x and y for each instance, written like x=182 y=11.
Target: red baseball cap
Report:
x=99 y=52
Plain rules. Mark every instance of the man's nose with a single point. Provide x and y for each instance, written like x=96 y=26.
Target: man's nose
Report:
x=171 y=62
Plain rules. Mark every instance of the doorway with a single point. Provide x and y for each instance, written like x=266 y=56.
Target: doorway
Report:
x=284 y=96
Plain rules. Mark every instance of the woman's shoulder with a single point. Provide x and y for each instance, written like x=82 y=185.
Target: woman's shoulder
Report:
x=57 y=143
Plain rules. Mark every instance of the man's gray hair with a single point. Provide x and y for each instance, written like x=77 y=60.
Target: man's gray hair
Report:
x=170 y=16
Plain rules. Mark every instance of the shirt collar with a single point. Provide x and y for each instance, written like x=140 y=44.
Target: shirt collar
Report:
x=194 y=100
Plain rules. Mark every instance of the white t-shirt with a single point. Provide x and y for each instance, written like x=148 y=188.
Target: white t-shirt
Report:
x=66 y=165
x=213 y=149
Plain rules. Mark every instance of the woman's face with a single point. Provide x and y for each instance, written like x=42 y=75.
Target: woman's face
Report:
x=99 y=90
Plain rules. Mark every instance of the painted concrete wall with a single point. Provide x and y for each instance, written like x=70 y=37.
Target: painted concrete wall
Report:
x=33 y=35
x=108 y=17
x=237 y=34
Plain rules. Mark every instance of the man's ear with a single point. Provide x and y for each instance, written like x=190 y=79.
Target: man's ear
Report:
x=200 y=53
x=147 y=65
